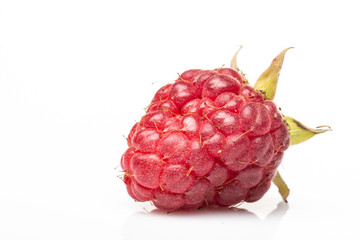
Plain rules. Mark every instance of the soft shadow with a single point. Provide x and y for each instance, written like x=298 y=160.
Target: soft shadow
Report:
x=205 y=223
x=205 y=212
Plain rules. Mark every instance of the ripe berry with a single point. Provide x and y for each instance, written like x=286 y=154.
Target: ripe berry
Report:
x=208 y=139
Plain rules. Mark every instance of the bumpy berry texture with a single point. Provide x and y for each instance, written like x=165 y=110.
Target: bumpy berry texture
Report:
x=207 y=139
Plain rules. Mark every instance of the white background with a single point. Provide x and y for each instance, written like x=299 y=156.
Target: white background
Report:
x=75 y=76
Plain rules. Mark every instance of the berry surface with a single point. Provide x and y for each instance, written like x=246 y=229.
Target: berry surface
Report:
x=208 y=139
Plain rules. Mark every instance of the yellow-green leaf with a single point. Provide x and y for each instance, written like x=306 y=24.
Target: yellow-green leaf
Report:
x=267 y=82
x=283 y=188
x=233 y=63
x=300 y=133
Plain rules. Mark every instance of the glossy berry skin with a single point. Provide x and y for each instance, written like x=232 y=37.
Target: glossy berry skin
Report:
x=205 y=140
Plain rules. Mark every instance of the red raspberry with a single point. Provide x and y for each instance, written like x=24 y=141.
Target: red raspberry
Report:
x=211 y=139
x=206 y=139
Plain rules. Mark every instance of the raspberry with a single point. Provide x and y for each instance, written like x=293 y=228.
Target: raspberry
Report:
x=207 y=139
x=221 y=140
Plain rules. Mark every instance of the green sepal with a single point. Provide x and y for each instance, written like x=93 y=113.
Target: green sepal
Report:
x=300 y=133
x=267 y=82
x=283 y=188
x=234 y=65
